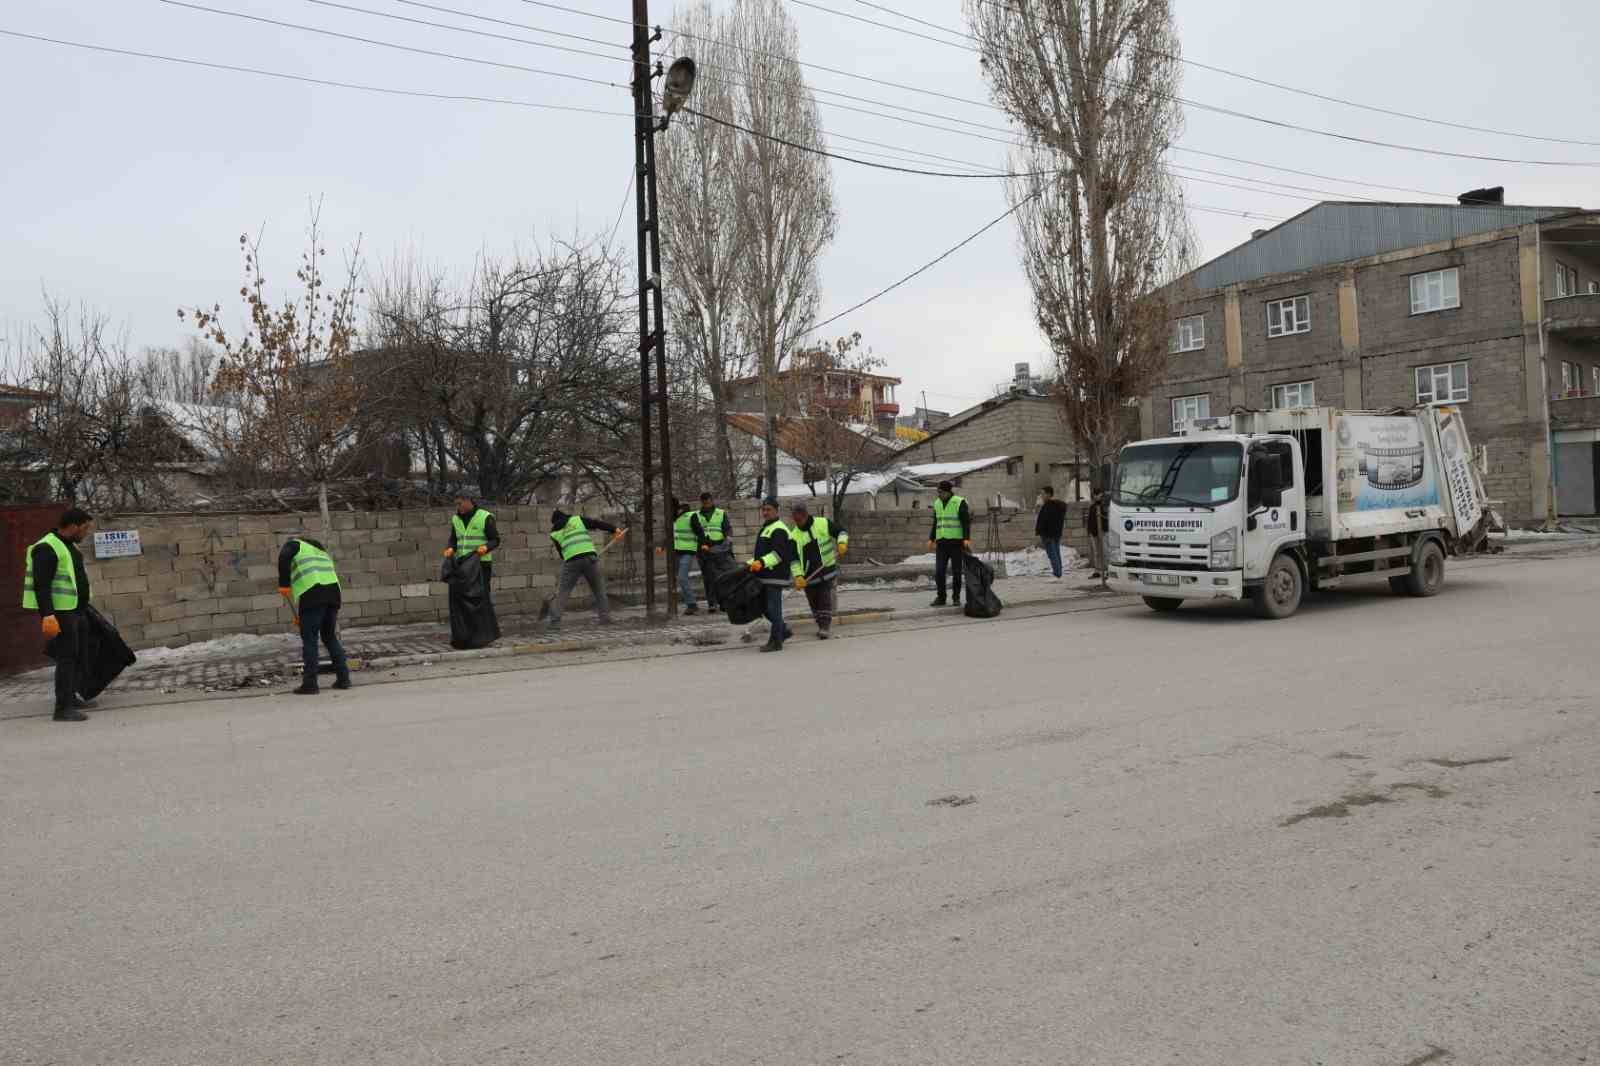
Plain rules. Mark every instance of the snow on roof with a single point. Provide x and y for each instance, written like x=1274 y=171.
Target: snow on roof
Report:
x=966 y=466
x=196 y=422
x=866 y=484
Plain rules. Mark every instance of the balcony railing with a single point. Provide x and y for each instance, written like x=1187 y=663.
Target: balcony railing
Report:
x=1574 y=317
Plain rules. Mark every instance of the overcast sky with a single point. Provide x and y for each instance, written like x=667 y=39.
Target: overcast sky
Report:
x=127 y=181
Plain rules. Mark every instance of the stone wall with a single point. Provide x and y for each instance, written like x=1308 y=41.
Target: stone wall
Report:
x=205 y=576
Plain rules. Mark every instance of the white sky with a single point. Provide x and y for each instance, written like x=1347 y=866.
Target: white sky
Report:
x=128 y=181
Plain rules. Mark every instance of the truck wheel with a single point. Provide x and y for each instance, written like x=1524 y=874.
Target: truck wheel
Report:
x=1164 y=604
x=1427 y=577
x=1279 y=594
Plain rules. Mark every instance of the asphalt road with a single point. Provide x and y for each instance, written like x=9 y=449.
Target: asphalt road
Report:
x=1366 y=835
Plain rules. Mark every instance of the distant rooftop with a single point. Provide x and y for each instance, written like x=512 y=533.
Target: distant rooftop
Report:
x=1337 y=232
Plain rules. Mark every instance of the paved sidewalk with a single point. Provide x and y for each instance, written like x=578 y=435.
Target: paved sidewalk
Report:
x=247 y=662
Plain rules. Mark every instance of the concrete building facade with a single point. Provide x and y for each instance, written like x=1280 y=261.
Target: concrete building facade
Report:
x=1372 y=306
x=1027 y=430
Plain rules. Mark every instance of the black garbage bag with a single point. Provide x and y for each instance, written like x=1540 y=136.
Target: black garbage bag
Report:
x=978 y=577
x=741 y=594
x=102 y=657
x=472 y=619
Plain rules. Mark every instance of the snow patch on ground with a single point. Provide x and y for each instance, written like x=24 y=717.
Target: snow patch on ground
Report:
x=1030 y=562
x=1515 y=536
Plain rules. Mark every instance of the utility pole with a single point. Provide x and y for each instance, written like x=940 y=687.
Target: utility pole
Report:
x=652 y=329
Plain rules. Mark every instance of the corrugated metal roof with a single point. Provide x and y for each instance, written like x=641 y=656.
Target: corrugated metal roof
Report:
x=1339 y=232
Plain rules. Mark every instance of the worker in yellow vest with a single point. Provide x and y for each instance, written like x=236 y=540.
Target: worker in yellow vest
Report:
x=775 y=563
x=308 y=581
x=55 y=584
x=819 y=546
x=715 y=534
x=579 y=559
x=950 y=539
x=472 y=529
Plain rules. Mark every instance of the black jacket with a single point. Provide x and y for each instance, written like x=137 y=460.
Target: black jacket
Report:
x=561 y=518
x=966 y=523
x=1097 y=518
x=491 y=532
x=781 y=545
x=44 y=572
x=1052 y=520
x=316 y=596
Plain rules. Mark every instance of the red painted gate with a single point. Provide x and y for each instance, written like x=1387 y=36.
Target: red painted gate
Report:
x=21 y=646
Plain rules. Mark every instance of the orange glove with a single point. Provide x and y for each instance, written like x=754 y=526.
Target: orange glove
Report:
x=799 y=583
x=50 y=627
x=844 y=547
x=661 y=551
x=618 y=534
x=705 y=548
x=449 y=553
x=756 y=566
x=966 y=545
x=483 y=549
x=287 y=594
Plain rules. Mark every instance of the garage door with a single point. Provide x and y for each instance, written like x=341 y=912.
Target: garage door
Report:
x=1575 y=477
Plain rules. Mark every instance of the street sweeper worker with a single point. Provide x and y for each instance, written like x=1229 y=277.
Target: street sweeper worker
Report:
x=819 y=545
x=776 y=563
x=949 y=538
x=308 y=581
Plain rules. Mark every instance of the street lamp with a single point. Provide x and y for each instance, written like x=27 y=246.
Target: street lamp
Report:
x=678 y=84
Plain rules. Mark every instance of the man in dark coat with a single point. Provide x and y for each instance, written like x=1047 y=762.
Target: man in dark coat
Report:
x=57 y=586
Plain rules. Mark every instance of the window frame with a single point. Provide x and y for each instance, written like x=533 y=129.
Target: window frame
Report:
x=1302 y=323
x=1425 y=277
x=1200 y=399
x=1300 y=387
x=1178 y=344
x=1453 y=395
x=1566 y=280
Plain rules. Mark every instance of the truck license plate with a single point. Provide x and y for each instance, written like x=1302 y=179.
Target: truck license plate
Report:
x=1160 y=579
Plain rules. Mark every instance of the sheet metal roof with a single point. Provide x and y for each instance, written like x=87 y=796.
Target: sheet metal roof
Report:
x=1338 y=232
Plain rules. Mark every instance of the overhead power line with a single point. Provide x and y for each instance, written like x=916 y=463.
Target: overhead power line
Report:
x=310 y=80
x=1234 y=112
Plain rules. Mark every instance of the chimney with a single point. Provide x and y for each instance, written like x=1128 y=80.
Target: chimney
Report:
x=1493 y=195
x=1257 y=233
x=1020 y=372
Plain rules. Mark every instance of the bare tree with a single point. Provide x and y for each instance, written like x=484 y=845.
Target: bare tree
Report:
x=522 y=376
x=92 y=436
x=783 y=196
x=182 y=375
x=701 y=234
x=1102 y=225
x=836 y=442
x=299 y=404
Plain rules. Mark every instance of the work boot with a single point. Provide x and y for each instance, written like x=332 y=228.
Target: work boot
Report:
x=307 y=690
x=940 y=602
x=772 y=645
x=343 y=685
x=691 y=609
x=823 y=634
x=81 y=704
x=72 y=714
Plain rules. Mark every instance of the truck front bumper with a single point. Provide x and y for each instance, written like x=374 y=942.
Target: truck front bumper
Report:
x=1178 y=584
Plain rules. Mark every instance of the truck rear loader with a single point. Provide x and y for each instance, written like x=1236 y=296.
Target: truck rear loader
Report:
x=1263 y=505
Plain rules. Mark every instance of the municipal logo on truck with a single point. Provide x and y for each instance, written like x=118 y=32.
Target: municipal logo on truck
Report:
x=1163 y=525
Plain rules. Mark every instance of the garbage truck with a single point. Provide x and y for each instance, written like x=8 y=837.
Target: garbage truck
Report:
x=1266 y=505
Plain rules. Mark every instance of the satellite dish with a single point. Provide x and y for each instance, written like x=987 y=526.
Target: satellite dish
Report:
x=679 y=84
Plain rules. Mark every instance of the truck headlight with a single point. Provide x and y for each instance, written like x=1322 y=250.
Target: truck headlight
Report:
x=1114 y=548
x=1222 y=549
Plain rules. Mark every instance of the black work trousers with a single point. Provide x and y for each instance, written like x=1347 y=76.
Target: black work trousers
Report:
x=68 y=648
x=948 y=558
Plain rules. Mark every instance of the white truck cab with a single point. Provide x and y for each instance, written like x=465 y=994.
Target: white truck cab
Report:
x=1266 y=504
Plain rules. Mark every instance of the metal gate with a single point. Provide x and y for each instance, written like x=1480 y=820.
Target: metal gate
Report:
x=1577 y=475
x=21 y=646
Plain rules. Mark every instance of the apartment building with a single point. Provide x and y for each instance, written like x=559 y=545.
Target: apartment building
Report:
x=1489 y=306
x=819 y=386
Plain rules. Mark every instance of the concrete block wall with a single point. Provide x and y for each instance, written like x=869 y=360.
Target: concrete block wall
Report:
x=206 y=576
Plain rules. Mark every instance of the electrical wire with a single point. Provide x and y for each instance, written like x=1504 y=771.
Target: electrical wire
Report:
x=310 y=80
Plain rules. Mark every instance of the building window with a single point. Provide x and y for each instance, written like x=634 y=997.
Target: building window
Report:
x=1297 y=394
x=1442 y=383
x=1189 y=334
x=1186 y=409
x=1566 y=280
x=1437 y=290
x=1289 y=316
x=1012 y=465
x=1572 y=379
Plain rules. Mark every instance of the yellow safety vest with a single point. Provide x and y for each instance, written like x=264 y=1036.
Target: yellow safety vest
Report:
x=947 y=518
x=573 y=539
x=311 y=567
x=470 y=536
x=63 y=587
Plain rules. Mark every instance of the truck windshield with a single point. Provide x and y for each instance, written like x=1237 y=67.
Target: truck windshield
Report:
x=1190 y=474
